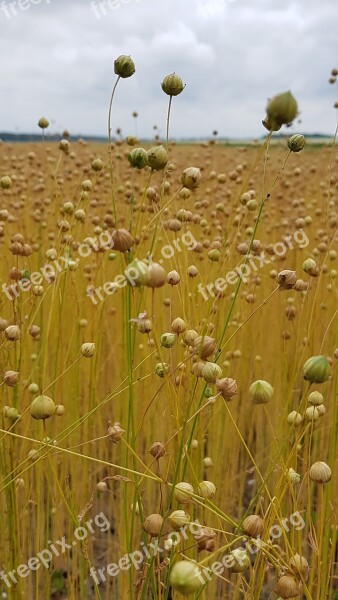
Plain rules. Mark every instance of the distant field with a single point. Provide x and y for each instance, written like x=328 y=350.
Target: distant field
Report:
x=153 y=331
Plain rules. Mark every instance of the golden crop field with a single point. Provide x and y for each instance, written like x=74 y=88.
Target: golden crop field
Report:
x=169 y=344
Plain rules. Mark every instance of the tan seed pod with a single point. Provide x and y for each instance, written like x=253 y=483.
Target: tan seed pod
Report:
x=288 y=587
x=320 y=472
x=253 y=525
x=153 y=525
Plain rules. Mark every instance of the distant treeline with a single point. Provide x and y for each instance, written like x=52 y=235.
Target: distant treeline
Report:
x=34 y=137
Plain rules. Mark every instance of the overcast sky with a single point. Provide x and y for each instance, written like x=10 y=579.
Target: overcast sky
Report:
x=56 y=60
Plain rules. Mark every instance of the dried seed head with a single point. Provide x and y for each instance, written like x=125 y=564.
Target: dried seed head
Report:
x=182 y=492
x=227 y=387
x=12 y=333
x=178 y=325
x=299 y=565
x=206 y=489
x=186 y=577
x=157 y=450
x=172 y=85
x=101 y=487
x=253 y=525
x=11 y=378
x=145 y=326
x=288 y=587
x=124 y=66
x=315 y=398
x=191 y=178
x=320 y=472
x=156 y=276
x=205 y=538
x=260 y=391
x=115 y=432
x=286 y=279
x=294 y=418
x=153 y=525
x=121 y=240
x=42 y=407
x=173 y=278
x=178 y=519
x=88 y=349
x=204 y=346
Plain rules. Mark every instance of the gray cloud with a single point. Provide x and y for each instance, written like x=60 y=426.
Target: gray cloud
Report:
x=57 y=61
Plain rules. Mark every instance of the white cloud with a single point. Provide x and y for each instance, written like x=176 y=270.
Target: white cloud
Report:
x=232 y=56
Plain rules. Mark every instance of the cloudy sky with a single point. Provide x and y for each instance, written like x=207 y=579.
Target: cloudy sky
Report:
x=56 y=60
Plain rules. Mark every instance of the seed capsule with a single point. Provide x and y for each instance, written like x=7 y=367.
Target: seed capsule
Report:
x=186 y=577
x=124 y=66
x=172 y=85
x=296 y=142
x=157 y=158
x=253 y=525
x=42 y=407
x=260 y=392
x=182 y=492
x=153 y=525
x=316 y=369
x=320 y=472
x=281 y=109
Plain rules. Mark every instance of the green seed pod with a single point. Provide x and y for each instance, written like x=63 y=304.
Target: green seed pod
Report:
x=97 y=164
x=214 y=255
x=124 y=66
x=316 y=369
x=172 y=85
x=191 y=177
x=240 y=560
x=5 y=182
x=186 y=577
x=157 y=158
x=43 y=123
x=138 y=158
x=260 y=391
x=281 y=109
x=137 y=273
x=42 y=407
x=161 y=369
x=269 y=125
x=296 y=142
x=211 y=371
x=11 y=413
x=168 y=340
